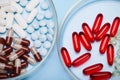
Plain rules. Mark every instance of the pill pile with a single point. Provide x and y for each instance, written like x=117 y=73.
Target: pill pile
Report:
x=99 y=33
x=27 y=31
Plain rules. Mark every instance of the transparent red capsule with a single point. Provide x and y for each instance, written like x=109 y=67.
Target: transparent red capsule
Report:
x=24 y=64
x=3 y=59
x=104 y=44
x=2 y=43
x=92 y=69
x=84 y=41
x=115 y=26
x=18 y=46
x=36 y=54
x=82 y=59
x=76 y=41
x=6 y=66
x=102 y=32
x=66 y=57
x=110 y=54
x=105 y=75
x=21 y=41
x=6 y=50
x=88 y=32
x=17 y=67
x=9 y=37
x=97 y=23
x=3 y=75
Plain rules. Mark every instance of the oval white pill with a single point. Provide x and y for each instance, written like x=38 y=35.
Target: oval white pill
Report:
x=35 y=25
x=21 y=21
x=30 y=29
x=49 y=37
x=42 y=37
x=43 y=51
x=47 y=44
x=32 y=4
x=34 y=36
x=43 y=30
x=48 y=14
x=37 y=43
x=32 y=15
x=44 y=5
x=40 y=16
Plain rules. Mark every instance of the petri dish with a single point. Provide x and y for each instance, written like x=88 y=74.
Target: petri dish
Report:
x=86 y=11
x=48 y=6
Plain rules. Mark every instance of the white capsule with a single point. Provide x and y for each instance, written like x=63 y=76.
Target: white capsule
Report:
x=31 y=60
x=9 y=9
x=42 y=37
x=44 y=5
x=17 y=63
x=4 y=2
x=34 y=36
x=48 y=14
x=49 y=37
x=17 y=6
x=9 y=20
x=43 y=51
x=47 y=44
x=32 y=4
x=37 y=43
x=2 y=29
x=32 y=15
x=19 y=31
x=43 y=30
x=21 y=21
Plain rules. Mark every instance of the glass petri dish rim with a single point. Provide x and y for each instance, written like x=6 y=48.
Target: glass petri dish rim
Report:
x=36 y=67
x=76 y=6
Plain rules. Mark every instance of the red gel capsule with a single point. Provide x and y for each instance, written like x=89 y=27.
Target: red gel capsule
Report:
x=76 y=42
x=66 y=57
x=82 y=59
x=92 y=69
x=84 y=41
x=97 y=23
x=115 y=26
x=101 y=75
x=102 y=32
x=104 y=44
x=88 y=32
x=110 y=54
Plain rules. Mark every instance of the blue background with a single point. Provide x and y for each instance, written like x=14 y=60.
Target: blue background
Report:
x=52 y=69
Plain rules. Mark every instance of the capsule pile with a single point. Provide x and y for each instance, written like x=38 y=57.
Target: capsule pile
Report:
x=100 y=33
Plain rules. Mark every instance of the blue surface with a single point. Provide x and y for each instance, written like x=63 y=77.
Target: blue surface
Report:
x=52 y=69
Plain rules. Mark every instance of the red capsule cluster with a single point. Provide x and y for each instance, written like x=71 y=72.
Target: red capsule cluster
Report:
x=14 y=55
x=100 y=33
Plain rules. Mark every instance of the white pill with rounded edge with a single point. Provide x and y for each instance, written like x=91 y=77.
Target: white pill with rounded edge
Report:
x=48 y=14
x=32 y=15
x=37 y=43
x=42 y=23
x=49 y=37
x=9 y=20
x=34 y=36
x=23 y=3
x=21 y=21
x=40 y=16
x=44 y=5
x=17 y=6
x=19 y=31
x=47 y=44
x=3 y=14
x=4 y=2
x=30 y=29
x=2 y=22
x=43 y=51
x=35 y=25
x=10 y=9
x=50 y=24
x=2 y=29
x=42 y=37
x=32 y=4
x=50 y=31
x=43 y=30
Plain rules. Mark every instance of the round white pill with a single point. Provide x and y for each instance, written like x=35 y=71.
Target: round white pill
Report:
x=42 y=37
x=2 y=29
x=49 y=37
x=37 y=43
x=35 y=25
x=44 y=5
x=42 y=23
x=50 y=24
x=47 y=44
x=30 y=29
x=48 y=14
x=40 y=16
x=34 y=36
x=23 y=2
x=50 y=31
x=43 y=51
x=43 y=30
